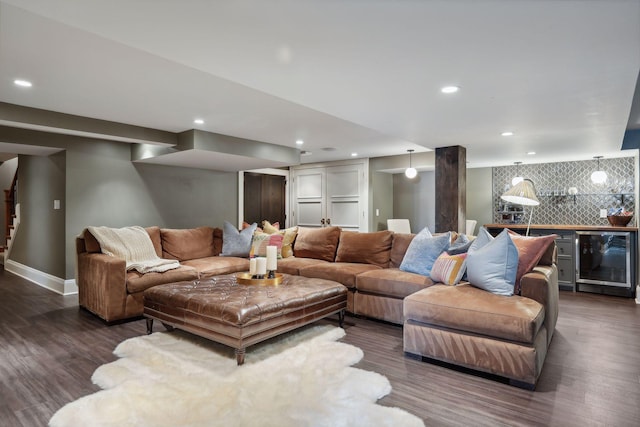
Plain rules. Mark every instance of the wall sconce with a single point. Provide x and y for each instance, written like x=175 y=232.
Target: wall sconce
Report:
x=410 y=172
x=598 y=176
x=517 y=179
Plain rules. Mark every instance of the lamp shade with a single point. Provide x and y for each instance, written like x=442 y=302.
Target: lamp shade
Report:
x=523 y=193
x=411 y=173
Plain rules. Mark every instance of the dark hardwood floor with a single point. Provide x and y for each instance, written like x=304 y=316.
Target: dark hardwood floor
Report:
x=49 y=349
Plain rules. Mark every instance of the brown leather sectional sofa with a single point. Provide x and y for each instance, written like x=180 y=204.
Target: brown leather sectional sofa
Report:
x=106 y=289
x=464 y=325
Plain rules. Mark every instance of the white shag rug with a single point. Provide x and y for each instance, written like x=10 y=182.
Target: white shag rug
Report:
x=302 y=378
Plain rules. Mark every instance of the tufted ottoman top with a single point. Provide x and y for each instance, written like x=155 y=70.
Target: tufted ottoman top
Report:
x=222 y=299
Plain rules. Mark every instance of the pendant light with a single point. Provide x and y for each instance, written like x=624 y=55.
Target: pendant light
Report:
x=410 y=172
x=598 y=176
x=517 y=179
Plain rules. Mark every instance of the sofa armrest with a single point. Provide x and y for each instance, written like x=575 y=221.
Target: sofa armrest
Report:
x=101 y=283
x=542 y=285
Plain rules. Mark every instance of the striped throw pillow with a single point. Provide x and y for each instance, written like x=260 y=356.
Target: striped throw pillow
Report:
x=448 y=269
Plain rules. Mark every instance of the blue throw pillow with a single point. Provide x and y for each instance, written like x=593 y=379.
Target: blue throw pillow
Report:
x=493 y=267
x=481 y=240
x=423 y=251
x=460 y=246
x=236 y=243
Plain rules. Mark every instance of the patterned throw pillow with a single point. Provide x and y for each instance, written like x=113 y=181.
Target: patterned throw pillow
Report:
x=234 y=242
x=423 y=251
x=288 y=236
x=261 y=241
x=448 y=269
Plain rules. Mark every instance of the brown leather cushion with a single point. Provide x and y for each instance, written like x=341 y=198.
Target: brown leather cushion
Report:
x=366 y=248
x=154 y=234
x=188 y=244
x=137 y=282
x=217 y=241
x=341 y=272
x=292 y=265
x=474 y=310
x=317 y=243
x=391 y=282
x=399 y=247
x=217 y=265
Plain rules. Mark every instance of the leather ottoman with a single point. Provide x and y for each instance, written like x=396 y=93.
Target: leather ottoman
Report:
x=239 y=315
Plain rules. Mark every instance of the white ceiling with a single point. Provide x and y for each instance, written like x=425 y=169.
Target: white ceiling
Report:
x=360 y=76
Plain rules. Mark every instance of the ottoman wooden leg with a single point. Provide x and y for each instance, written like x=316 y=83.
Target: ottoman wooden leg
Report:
x=149 y=326
x=240 y=356
x=341 y=318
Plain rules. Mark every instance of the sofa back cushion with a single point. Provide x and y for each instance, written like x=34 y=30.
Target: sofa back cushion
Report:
x=399 y=247
x=217 y=241
x=156 y=239
x=92 y=246
x=188 y=243
x=366 y=248
x=317 y=243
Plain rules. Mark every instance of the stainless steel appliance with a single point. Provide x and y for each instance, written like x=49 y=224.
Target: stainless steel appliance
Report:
x=603 y=262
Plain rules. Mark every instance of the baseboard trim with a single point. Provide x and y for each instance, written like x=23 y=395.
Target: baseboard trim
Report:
x=45 y=280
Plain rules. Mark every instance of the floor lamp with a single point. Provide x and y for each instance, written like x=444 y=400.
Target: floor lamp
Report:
x=524 y=194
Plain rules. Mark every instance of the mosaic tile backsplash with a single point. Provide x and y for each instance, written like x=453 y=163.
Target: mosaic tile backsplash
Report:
x=553 y=181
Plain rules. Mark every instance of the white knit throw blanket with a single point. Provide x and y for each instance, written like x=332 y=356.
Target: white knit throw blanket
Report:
x=134 y=245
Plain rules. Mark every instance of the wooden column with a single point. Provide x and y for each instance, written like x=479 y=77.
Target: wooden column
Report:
x=451 y=189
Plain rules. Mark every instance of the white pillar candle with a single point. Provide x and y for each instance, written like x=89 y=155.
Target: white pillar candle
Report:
x=261 y=266
x=252 y=266
x=272 y=258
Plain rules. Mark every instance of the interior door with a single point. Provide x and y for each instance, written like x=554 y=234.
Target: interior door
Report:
x=264 y=198
x=345 y=185
x=309 y=197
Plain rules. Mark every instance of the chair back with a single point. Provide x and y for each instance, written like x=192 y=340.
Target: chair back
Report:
x=471 y=227
x=399 y=226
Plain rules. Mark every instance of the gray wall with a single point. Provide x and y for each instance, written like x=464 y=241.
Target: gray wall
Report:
x=415 y=199
x=99 y=185
x=479 y=196
x=381 y=200
x=40 y=239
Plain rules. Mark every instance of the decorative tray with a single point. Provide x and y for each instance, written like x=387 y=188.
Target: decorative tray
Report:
x=245 y=279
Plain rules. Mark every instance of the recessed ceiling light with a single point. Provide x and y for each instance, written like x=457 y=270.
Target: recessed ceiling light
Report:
x=531 y=153
x=198 y=121
x=299 y=142
x=354 y=154
x=450 y=89
x=507 y=133
x=22 y=83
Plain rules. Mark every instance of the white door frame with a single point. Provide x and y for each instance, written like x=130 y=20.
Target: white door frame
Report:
x=266 y=171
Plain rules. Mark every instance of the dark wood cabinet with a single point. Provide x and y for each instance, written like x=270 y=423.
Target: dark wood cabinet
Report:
x=568 y=261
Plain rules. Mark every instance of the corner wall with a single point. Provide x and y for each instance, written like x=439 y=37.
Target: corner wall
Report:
x=40 y=239
x=105 y=188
